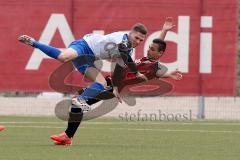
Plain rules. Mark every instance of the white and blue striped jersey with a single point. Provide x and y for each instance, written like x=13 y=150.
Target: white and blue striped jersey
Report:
x=100 y=44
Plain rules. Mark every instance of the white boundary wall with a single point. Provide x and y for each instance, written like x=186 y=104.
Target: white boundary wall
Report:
x=224 y=108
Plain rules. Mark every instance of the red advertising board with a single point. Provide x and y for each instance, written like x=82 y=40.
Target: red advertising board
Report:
x=202 y=45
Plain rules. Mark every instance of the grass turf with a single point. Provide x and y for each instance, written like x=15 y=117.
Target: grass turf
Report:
x=27 y=138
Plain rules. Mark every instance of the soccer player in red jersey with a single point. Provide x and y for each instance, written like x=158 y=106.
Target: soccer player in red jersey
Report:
x=149 y=63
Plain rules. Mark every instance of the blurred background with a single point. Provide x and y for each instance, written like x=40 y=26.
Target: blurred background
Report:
x=203 y=45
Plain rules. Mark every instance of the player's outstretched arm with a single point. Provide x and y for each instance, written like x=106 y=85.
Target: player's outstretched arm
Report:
x=167 y=26
x=123 y=49
x=176 y=75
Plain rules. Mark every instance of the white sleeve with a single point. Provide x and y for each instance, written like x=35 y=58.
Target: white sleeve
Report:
x=161 y=70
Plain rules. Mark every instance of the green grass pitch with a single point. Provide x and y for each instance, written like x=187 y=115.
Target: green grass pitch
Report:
x=27 y=138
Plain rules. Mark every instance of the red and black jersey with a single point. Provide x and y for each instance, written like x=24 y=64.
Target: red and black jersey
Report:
x=124 y=76
x=149 y=68
x=145 y=66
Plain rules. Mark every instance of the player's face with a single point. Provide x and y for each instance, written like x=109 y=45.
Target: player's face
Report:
x=153 y=52
x=136 y=38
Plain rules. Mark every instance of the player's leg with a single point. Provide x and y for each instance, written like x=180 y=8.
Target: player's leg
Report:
x=91 y=91
x=51 y=51
x=107 y=93
x=74 y=120
x=85 y=65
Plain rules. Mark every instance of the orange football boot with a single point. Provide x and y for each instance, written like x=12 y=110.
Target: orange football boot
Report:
x=2 y=128
x=61 y=139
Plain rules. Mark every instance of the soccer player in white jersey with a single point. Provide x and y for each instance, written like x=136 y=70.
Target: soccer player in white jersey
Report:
x=85 y=51
x=155 y=51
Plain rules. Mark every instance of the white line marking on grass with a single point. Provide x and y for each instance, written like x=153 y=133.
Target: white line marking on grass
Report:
x=32 y=122
x=134 y=129
x=11 y=126
x=134 y=123
x=175 y=130
x=33 y=127
x=165 y=123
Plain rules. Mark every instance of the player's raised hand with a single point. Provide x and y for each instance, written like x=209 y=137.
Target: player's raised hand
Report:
x=176 y=75
x=168 y=25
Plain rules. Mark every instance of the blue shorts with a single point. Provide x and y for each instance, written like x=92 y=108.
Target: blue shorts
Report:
x=85 y=57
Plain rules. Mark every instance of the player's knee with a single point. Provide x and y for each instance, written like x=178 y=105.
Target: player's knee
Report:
x=67 y=55
x=76 y=110
x=63 y=58
x=75 y=115
x=103 y=83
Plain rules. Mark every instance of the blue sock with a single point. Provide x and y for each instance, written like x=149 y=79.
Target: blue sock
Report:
x=92 y=91
x=48 y=50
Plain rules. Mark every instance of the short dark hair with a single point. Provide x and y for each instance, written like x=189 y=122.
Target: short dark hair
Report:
x=161 y=44
x=139 y=27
